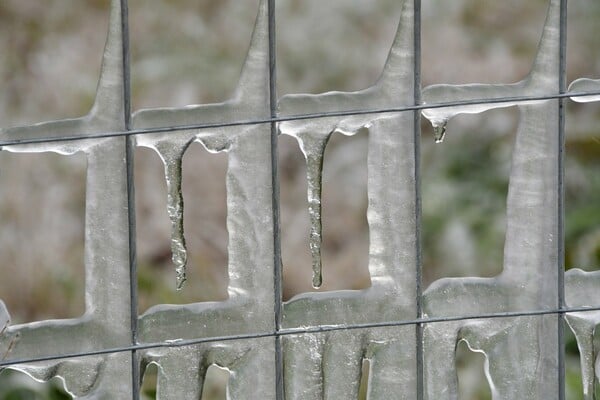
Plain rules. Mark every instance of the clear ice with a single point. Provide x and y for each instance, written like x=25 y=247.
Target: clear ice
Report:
x=584 y=85
x=313 y=148
x=106 y=322
x=250 y=304
x=328 y=365
x=581 y=287
x=521 y=352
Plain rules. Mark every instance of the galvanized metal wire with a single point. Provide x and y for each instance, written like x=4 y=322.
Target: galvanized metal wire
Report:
x=275 y=119
x=304 y=330
x=420 y=320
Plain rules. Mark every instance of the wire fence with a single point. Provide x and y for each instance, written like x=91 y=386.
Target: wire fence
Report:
x=151 y=338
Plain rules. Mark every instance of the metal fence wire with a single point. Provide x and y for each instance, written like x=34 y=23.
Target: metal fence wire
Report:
x=313 y=346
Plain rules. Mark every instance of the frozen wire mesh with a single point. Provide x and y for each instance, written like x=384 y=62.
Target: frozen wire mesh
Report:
x=314 y=345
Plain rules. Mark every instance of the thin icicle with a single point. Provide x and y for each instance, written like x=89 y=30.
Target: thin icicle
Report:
x=313 y=147
x=439 y=131
x=581 y=290
x=4 y=317
x=175 y=211
x=172 y=157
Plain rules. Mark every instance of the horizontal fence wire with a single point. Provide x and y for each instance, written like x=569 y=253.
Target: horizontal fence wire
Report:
x=299 y=117
x=300 y=331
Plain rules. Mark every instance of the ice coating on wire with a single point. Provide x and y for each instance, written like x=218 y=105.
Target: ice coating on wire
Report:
x=313 y=148
x=393 y=88
x=171 y=146
x=581 y=287
x=251 y=299
x=107 y=319
x=328 y=365
x=521 y=352
x=529 y=279
x=582 y=85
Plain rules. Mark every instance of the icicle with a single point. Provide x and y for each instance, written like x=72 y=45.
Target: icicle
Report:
x=172 y=157
x=313 y=147
x=584 y=334
x=581 y=290
x=439 y=131
x=175 y=211
x=4 y=317
x=4 y=322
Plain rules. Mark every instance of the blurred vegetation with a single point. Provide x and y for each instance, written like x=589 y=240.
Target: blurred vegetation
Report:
x=17 y=386
x=322 y=46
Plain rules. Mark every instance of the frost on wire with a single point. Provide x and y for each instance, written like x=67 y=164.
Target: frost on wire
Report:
x=522 y=353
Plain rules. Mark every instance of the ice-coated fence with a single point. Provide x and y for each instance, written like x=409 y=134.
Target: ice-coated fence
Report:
x=313 y=346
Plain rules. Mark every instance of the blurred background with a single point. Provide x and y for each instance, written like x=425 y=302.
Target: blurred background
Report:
x=190 y=52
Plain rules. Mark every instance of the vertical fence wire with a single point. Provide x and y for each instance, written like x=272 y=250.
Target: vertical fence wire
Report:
x=129 y=160
x=417 y=156
x=277 y=264
x=562 y=84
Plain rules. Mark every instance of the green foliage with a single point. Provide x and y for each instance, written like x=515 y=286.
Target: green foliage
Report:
x=17 y=386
